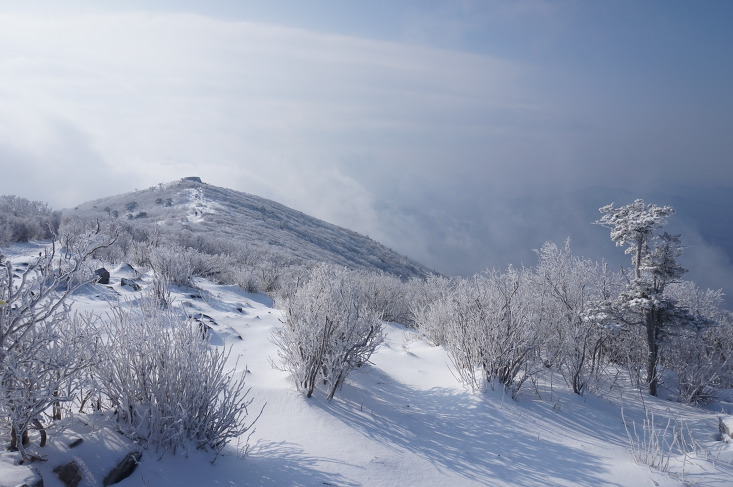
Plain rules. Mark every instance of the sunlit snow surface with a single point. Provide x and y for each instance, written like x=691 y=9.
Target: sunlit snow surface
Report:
x=199 y=205
x=403 y=421
x=260 y=226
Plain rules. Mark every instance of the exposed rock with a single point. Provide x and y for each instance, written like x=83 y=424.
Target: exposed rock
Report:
x=130 y=283
x=725 y=425
x=69 y=474
x=123 y=469
x=102 y=275
x=75 y=443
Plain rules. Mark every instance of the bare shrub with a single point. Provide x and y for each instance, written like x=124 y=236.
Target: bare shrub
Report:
x=655 y=444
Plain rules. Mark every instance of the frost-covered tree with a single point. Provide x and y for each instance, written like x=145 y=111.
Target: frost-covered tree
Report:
x=654 y=262
x=22 y=220
x=329 y=330
x=699 y=358
x=568 y=287
x=42 y=349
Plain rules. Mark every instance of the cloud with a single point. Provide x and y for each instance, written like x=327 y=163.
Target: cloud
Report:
x=446 y=156
x=155 y=96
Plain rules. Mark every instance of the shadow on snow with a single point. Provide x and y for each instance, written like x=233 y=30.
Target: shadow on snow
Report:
x=478 y=437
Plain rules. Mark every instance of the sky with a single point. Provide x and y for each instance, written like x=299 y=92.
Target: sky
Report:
x=431 y=126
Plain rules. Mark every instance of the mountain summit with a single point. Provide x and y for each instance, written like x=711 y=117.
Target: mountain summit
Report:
x=263 y=226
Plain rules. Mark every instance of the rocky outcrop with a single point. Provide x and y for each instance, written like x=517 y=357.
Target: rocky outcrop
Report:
x=123 y=469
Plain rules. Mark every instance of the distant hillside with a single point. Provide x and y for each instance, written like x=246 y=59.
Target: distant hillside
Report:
x=189 y=205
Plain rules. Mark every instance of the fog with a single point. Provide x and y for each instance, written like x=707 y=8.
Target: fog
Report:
x=463 y=134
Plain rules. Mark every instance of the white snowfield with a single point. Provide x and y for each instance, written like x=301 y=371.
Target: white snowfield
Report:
x=404 y=420
x=199 y=205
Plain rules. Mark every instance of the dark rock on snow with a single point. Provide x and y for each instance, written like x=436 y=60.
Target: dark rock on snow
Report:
x=123 y=469
x=102 y=275
x=130 y=283
x=69 y=474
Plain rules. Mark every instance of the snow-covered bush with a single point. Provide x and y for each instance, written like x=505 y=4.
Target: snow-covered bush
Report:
x=168 y=386
x=489 y=327
x=465 y=318
x=42 y=349
x=172 y=265
x=22 y=220
x=45 y=372
x=387 y=295
x=427 y=310
x=329 y=330
x=698 y=364
x=512 y=336
x=567 y=288
x=6 y=233
x=699 y=360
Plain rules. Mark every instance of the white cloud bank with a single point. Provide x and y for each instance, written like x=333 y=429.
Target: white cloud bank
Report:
x=157 y=95
x=411 y=145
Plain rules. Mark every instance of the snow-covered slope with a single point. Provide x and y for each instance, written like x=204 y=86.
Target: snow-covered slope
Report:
x=404 y=420
x=260 y=225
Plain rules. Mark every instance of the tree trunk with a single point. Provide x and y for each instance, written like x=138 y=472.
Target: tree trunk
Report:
x=652 y=332
x=56 y=407
x=17 y=440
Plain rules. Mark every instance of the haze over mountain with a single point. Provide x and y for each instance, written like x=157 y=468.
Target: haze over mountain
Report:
x=511 y=226
x=456 y=132
x=264 y=226
x=498 y=231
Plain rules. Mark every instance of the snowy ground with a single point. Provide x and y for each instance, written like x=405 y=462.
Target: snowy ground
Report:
x=403 y=421
x=199 y=206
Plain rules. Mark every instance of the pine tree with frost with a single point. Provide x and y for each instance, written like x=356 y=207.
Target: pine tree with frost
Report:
x=654 y=261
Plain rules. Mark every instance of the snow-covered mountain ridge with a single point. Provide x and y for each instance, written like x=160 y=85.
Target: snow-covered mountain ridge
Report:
x=263 y=226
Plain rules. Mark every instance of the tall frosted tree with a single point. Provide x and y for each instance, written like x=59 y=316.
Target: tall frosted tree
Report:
x=654 y=261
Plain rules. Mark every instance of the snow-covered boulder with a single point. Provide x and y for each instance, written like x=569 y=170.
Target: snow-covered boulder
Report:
x=125 y=270
x=130 y=284
x=86 y=450
x=12 y=475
